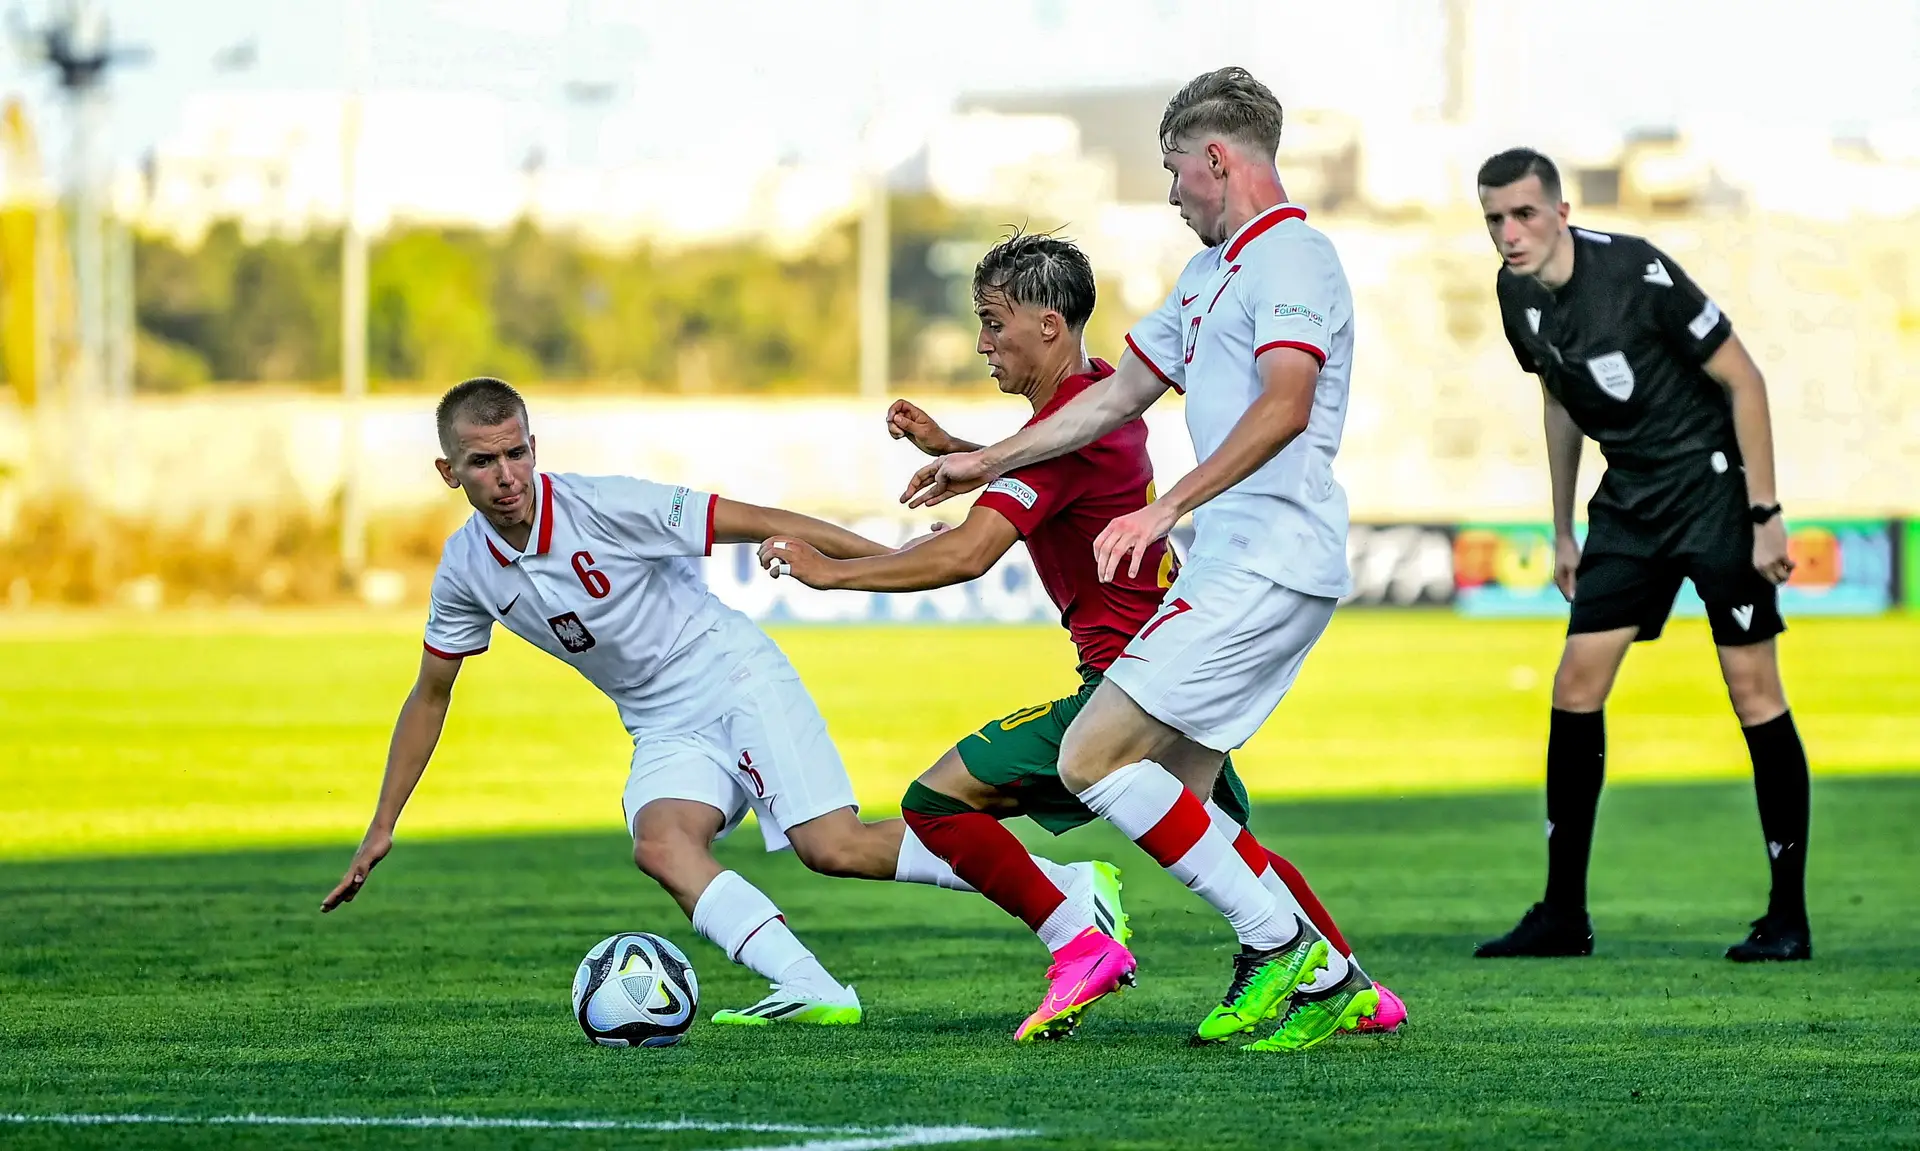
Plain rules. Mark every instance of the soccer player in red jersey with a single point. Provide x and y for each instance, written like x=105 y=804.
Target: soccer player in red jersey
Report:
x=1034 y=295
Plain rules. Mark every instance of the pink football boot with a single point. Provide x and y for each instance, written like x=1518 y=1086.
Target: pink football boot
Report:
x=1089 y=968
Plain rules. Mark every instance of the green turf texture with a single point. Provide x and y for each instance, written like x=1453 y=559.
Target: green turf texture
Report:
x=160 y=950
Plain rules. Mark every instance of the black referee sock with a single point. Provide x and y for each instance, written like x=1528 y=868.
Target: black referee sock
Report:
x=1576 y=767
x=1781 y=785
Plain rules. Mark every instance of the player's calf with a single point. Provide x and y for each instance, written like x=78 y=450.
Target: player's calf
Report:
x=839 y=844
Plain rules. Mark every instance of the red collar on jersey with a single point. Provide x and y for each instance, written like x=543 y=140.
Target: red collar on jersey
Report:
x=543 y=523
x=1251 y=230
x=1071 y=387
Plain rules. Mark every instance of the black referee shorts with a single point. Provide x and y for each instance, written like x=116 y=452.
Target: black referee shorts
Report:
x=1636 y=556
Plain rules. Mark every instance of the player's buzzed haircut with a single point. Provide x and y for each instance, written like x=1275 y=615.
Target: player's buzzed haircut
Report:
x=482 y=401
x=1226 y=102
x=1516 y=164
x=1038 y=270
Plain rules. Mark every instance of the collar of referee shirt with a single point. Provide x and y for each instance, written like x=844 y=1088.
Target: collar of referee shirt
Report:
x=1251 y=230
x=540 y=535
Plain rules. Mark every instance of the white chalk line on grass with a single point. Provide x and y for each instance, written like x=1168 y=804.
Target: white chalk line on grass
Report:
x=848 y=1138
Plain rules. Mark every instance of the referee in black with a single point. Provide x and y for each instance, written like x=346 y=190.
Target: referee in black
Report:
x=1631 y=353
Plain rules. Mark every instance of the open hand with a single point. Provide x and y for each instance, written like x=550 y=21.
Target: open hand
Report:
x=1131 y=535
x=372 y=850
x=947 y=477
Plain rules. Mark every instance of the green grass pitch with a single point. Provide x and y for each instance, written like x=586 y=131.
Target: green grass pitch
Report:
x=176 y=795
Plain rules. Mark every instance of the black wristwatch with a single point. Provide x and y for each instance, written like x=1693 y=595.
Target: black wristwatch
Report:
x=1760 y=515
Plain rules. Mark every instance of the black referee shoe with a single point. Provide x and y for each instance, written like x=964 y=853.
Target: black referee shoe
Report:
x=1543 y=931
x=1774 y=941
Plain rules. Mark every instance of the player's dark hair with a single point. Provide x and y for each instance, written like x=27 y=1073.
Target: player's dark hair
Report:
x=1038 y=269
x=1226 y=102
x=482 y=401
x=1516 y=164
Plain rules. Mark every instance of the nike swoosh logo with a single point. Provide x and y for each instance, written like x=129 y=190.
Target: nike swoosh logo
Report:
x=510 y=603
x=1061 y=1003
x=1185 y=300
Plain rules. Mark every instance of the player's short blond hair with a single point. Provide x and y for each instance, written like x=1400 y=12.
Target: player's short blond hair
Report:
x=1225 y=102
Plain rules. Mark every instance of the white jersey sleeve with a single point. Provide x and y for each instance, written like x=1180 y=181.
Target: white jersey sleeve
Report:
x=1298 y=302
x=1159 y=340
x=657 y=521
x=457 y=625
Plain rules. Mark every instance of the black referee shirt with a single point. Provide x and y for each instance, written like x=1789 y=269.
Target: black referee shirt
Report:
x=1622 y=347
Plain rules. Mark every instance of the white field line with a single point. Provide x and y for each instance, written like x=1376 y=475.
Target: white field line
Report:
x=849 y=1138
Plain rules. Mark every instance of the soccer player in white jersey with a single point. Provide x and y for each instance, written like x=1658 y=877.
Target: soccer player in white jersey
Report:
x=597 y=571
x=1258 y=335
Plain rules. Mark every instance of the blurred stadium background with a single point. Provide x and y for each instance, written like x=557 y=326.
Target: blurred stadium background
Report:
x=242 y=248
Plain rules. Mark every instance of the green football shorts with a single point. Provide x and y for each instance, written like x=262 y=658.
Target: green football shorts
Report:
x=1020 y=756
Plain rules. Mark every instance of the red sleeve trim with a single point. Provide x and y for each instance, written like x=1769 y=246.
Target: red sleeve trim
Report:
x=1148 y=360
x=546 y=514
x=1009 y=509
x=713 y=501
x=452 y=654
x=1296 y=345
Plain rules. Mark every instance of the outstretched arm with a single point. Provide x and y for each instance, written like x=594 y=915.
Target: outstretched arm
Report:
x=1123 y=396
x=1274 y=419
x=738 y=523
x=415 y=734
x=950 y=557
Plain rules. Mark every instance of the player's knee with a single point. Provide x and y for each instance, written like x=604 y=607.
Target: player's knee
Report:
x=1756 y=697
x=835 y=857
x=1578 y=687
x=661 y=853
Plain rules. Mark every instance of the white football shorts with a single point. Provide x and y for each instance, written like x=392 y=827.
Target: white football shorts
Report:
x=1221 y=652
x=769 y=752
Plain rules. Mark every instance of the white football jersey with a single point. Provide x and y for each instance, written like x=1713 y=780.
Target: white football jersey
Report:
x=607 y=585
x=1277 y=283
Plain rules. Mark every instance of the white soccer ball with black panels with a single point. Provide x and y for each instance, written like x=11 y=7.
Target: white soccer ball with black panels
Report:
x=635 y=990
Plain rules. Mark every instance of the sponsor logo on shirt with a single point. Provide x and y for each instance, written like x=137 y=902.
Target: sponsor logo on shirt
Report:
x=1613 y=374
x=678 y=511
x=1282 y=311
x=572 y=634
x=1008 y=486
x=1656 y=273
x=1704 y=322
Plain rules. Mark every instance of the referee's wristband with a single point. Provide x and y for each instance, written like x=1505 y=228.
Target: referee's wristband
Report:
x=1760 y=515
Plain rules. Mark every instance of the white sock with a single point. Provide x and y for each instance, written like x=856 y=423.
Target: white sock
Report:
x=1336 y=968
x=919 y=865
x=1143 y=800
x=740 y=920
x=1332 y=973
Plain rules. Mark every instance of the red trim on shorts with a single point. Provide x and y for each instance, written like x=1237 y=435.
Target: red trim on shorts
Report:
x=1275 y=215
x=713 y=502
x=1178 y=830
x=546 y=515
x=1148 y=360
x=1297 y=345
x=451 y=654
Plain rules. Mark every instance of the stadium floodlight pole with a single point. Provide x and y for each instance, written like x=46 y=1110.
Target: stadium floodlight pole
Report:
x=353 y=309
x=873 y=287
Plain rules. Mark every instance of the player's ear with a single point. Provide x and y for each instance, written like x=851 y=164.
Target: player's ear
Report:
x=1050 y=325
x=446 y=473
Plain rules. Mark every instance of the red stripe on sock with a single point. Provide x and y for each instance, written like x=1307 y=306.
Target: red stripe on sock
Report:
x=1178 y=830
x=1309 y=903
x=986 y=855
x=1251 y=851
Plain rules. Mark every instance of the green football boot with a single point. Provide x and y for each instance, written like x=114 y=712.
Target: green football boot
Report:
x=1104 y=880
x=1262 y=981
x=1312 y=1016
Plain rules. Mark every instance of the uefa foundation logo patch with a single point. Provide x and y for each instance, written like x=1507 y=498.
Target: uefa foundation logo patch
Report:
x=572 y=634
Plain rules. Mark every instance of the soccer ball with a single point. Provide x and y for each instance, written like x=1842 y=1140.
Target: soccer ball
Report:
x=635 y=990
